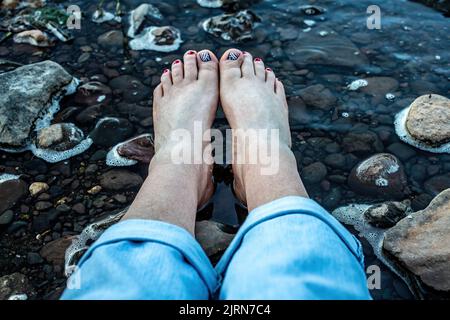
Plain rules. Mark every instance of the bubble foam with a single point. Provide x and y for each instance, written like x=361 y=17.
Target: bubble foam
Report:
x=53 y=156
x=90 y=234
x=405 y=136
x=7 y=176
x=210 y=3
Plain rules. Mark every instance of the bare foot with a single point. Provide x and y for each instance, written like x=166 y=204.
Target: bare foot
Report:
x=187 y=96
x=253 y=98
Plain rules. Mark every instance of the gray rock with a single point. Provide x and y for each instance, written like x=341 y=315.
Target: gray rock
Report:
x=333 y=49
x=113 y=38
x=437 y=184
x=25 y=94
x=380 y=86
x=211 y=237
x=386 y=215
x=314 y=173
x=318 y=96
x=362 y=142
x=421 y=242
x=59 y=137
x=6 y=217
x=11 y=191
x=118 y=179
x=54 y=251
x=15 y=284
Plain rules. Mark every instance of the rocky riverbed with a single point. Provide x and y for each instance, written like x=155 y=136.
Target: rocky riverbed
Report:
x=369 y=111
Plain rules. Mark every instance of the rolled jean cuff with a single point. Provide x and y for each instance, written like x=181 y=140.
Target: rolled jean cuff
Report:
x=163 y=233
x=288 y=206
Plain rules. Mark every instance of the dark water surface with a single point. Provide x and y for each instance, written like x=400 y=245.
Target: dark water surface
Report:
x=411 y=52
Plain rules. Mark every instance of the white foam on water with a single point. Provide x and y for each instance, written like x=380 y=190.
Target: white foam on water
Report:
x=405 y=136
x=353 y=215
x=114 y=159
x=81 y=243
x=100 y=16
x=53 y=156
x=19 y=296
x=210 y=3
x=8 y=176
x=390 y=96
x=146 y=41
x=355 y=85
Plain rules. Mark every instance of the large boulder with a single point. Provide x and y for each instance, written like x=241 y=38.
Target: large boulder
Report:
x=26 y=94
x=11 y=191
x=421 y=242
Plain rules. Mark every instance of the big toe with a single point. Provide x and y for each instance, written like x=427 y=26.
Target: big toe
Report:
x=207 y=64
x=231 y=63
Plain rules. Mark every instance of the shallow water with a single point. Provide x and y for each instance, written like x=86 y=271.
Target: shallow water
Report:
x=412 y=49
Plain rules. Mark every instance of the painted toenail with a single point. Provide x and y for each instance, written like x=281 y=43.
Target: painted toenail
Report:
x=234 y=55
x=205 y=56
x=176 y=62
x=191 y=52
x=258 y=60
x=166 y=70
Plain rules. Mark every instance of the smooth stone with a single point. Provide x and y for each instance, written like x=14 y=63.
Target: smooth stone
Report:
x=37 y=188
x=59 y=137
x=11 y=191
x=318 y=96
x=113 y=38
x=381 y=175
x=380 y=86
x=362 y=142
x=386 y=215
x=401 y=151
x=119 y=179
x=333 y=49
x=25 y=94
x=133 y=89
x=140 y=149
x=93 y=93
x=314 y=173
x=43 y=205
x=34 y=258
x=110 y=131
x=421 y=242
x=428 y=120
x=79 y=208
x=54 y=251
x=211 y=237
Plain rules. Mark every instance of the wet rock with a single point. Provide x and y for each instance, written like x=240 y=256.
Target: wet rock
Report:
x=380 y=86
x=15 y=284
x=113 y=38
x=100 y=16
x=110 y=131
x=314 y=173
x=89 y=115
x=318 y=96
x=43 y=205
x=420 y=243
x=428 y=120
x=401 y=151
x=35 y=38
x=93 y=93
x=6 y=217
x=333 y=49
x=11 y=191
x=34 y=258
x=386 y=215
x=437 y=184
x=381 y=175
x=137 y=149
x=59 y=137
x=162 y=39
x=237 y=26
x=37 y=188
x=27 y=93
x=211 y=237
x=54 y=251
x=79 y=208
x=95 y=190
x=138 y=16
x=336 y=160
x=362 y=142
x=118 y=179
x=132 y=88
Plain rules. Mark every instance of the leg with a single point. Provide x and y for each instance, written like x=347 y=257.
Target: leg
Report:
x=289 y=247
x=151 y=254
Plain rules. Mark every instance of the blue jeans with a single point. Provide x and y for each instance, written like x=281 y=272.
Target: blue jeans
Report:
x=290 y=248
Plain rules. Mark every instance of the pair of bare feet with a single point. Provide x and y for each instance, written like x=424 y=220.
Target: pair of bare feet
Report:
x=252 y=98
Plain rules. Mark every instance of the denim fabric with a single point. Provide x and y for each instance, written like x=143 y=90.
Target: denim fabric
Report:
x=290 y=248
